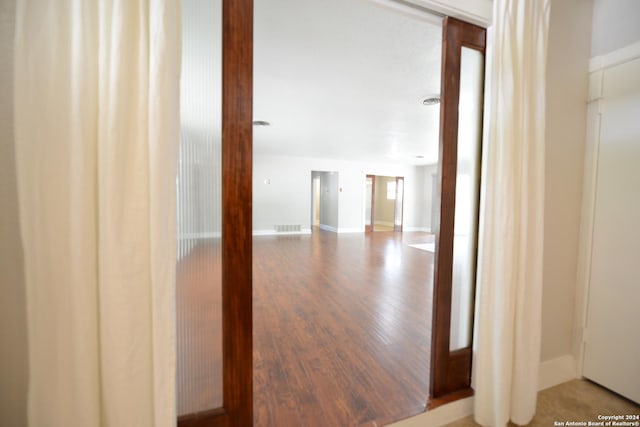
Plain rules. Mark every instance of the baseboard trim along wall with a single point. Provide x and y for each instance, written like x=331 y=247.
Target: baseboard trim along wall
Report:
x=552 y=372
x=557 y=371
x=271 y=232
x=328 y=228
x=440 y=416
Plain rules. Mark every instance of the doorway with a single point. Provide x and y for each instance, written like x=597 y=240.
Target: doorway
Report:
x=315 y=200
x=384 y=203
x=242 y=143
x=324 y=200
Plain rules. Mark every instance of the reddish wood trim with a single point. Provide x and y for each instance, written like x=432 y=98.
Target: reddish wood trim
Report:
x=448 y=398
x=450 y=371
x=369 y=228
x=237 y=128
x=237 y=320
x=213 y=418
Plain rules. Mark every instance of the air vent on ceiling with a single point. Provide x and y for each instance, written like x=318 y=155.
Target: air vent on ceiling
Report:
x=431 y=100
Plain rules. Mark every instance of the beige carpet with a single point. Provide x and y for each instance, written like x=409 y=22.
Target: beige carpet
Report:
x=577 y=400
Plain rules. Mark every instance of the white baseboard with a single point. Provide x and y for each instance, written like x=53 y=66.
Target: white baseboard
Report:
x=328 y=228
x=440 y=416
x=552 y=372
x=557 y=371
x=270 y=232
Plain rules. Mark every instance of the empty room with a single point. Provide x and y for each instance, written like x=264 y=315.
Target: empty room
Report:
x=319 y=213
x=345 y=210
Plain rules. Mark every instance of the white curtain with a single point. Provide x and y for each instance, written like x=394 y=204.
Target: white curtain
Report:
x=96 y=122
x=510 y=269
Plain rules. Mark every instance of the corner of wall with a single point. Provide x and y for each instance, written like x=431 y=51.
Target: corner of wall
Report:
x=567 y=84
x=13 y=317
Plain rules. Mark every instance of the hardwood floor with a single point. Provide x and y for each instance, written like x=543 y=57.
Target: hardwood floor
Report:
x=341 y=328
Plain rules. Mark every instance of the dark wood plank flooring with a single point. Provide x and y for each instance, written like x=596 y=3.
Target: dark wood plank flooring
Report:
x=341 y=328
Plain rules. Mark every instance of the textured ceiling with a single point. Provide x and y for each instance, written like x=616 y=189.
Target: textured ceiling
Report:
x=344 y=79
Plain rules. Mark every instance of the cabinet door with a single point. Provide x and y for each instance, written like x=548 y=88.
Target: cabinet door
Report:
x=612 y=340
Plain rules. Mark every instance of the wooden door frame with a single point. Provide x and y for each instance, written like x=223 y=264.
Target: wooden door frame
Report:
x=237 y=311
x=395 y=206
x=450 y=370
x=370 y=228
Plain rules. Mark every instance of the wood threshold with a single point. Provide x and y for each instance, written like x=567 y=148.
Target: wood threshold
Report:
x=449 y=398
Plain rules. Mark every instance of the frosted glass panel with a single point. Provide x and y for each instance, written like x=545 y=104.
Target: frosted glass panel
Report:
x=198 y=276
x=467 y=197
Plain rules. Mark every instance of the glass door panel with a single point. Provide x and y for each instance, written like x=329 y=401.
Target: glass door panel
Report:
x=465 y=234
x=457 y=215
x=198 y=275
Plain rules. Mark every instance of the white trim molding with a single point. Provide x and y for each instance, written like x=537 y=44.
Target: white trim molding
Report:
x=617 y=57
x=270 y=232
x=552 y=372
x=557 y=371
x=440 y=416
x=478 y=12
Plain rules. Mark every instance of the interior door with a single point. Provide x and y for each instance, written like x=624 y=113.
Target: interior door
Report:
x=463 y=49
x=612 y=337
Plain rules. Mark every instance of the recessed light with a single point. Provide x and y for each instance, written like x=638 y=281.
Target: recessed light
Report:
x=261 y=123
x=431 y=100
x=419 y=157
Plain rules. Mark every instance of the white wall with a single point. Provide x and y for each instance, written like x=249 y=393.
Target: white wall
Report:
x=615 y=25
x=426 y=209
x=13 y=317
x=282 y=191
x=567 y=80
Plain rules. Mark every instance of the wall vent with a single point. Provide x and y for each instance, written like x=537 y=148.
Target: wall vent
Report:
x=288 y=228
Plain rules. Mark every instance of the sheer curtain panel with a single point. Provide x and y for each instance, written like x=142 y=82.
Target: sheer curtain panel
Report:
x=96 y=123
x=511 y=240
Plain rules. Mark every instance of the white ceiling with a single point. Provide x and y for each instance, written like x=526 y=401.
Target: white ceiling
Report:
x=344 y=79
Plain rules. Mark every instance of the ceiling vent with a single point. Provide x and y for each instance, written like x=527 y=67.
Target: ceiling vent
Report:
x=431 y=100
